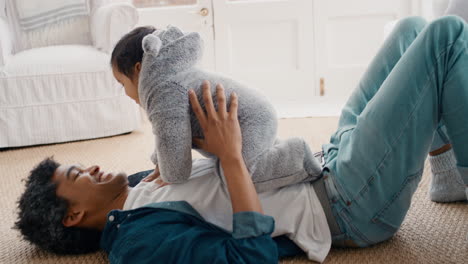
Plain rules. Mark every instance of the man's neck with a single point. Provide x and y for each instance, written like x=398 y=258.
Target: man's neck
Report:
x=116 y=204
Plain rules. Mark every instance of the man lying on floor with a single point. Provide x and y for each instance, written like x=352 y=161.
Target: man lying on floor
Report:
x=372 y=167
x=69 y=209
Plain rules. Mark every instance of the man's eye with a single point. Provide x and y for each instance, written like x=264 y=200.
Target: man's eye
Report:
x=77 y=175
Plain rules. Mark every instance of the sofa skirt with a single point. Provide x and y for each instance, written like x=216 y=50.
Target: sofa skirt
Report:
x=55 y=108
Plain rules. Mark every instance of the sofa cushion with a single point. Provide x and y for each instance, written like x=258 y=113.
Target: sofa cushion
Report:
x=73 y=73
x=57 y=60
x=75 y=97
x=38 y=14
x=71 y=30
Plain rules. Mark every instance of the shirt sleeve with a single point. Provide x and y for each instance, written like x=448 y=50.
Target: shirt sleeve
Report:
x=252 y=224
x=251 y=240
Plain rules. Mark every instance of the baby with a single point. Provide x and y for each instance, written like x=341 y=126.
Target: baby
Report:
x=158 y=67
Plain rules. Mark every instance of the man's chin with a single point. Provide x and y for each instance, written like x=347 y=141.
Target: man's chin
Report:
x=120 y=177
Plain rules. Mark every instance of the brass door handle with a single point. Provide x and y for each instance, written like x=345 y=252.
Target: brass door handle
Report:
x=322 y=86
x=204 y=11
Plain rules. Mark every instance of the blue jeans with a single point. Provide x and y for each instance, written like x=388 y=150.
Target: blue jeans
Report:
x=412 y=99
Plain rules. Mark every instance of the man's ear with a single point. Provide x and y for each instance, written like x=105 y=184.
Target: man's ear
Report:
x=73 y=217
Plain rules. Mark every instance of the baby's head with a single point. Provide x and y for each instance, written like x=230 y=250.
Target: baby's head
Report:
x=126 y=60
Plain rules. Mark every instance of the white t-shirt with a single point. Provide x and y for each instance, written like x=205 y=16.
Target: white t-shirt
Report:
x=296 y=209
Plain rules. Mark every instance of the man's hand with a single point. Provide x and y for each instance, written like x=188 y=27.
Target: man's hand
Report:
x=156 y=177
x=223 y=138
x=222 y=134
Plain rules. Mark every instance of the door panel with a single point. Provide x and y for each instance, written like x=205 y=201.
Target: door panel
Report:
x=267 y=44
x=349 y=34
x=189 y=15
x=257 y=55
x=342 y=31
x=306 y=56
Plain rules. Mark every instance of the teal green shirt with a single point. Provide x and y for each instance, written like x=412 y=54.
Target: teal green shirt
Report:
x=173 y=232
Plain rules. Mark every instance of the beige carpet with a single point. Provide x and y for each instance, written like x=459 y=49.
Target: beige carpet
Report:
x=431 y=233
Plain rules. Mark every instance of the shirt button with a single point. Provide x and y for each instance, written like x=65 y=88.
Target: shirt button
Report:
x=118 y=226
x=111 y=218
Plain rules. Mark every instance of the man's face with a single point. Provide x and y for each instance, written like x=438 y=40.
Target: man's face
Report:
x=88 y=189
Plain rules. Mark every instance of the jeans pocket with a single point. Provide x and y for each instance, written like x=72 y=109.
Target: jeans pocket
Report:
x=336 y=137
x=391 y=216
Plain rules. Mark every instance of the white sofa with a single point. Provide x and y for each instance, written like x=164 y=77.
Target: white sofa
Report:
x=65 y=92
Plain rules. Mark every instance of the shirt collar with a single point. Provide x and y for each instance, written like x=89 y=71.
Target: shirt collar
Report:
x=116 y=217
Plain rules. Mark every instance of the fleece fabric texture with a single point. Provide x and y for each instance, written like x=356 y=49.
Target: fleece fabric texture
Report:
x=168 y=72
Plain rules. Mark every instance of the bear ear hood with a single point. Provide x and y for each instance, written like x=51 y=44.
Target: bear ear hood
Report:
x=152 y=44
x=171 y=51
x=170 y=34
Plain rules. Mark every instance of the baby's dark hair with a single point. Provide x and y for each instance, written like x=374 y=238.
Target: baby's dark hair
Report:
x=129 y=50
x=41 y=212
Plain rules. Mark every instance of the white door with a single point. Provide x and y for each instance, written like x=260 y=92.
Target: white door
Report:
x=189 y=15
x=349 y=34
x=267 y=44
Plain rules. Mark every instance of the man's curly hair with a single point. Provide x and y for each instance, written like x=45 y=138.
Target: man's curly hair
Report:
x=41 y=212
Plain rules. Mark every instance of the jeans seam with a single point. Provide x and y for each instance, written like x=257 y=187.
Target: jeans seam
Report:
x=354 y=229
x=340 y=191
x=443 y=136
x=341 y=211
x=379 y=214
x=411 y=116
x=407 y=34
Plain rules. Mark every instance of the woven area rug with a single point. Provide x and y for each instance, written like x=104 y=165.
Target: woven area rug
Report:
x=431 y=232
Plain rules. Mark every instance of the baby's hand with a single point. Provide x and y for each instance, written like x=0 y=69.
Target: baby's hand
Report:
x=153 y=175
x=156 y=177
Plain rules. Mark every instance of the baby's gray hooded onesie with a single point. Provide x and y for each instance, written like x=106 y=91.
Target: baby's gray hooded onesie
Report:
x=168 y=72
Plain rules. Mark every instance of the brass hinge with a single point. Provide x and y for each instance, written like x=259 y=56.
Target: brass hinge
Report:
x=322 y=86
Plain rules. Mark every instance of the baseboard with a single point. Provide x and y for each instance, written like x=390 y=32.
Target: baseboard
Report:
x=315 y=108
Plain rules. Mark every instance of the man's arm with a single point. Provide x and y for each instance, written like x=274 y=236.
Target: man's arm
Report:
x=223 y=139
x=180 y=237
